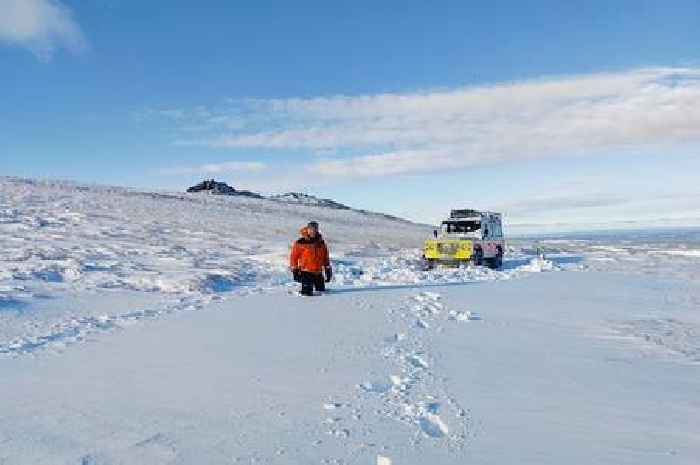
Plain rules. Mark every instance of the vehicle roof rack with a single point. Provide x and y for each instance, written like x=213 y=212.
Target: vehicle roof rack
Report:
x=465 y=213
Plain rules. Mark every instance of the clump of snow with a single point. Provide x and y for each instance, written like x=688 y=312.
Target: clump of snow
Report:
x=407 y=268
x=537 y=265
x=432 y=425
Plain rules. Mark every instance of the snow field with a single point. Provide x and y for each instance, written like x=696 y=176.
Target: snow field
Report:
x=158 y=329
x=157 y=253
x=401 y=269
x=77 y=261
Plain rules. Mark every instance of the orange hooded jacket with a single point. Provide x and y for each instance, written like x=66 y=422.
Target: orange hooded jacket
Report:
x=309 y=254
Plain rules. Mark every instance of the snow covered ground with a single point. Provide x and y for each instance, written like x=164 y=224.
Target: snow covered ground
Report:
x=140 y=328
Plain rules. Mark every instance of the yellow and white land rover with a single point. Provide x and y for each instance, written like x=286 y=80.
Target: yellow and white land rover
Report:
x=467 y=236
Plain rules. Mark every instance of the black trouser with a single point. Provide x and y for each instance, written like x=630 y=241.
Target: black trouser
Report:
x=310 y=280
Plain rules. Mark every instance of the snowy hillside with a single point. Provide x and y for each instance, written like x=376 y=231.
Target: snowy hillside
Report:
x=310 y=200
x=152 y=328
x=169 y=252
x=61 y=237
x=213 y=187
x=298 y=198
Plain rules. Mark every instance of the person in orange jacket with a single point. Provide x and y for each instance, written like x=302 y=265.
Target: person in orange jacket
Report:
x=310 y=259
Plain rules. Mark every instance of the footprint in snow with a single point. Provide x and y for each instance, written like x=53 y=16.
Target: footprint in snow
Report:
x=158 y=449
x=332 y=405
x=426 y=295
x=375 y=387
x=417 y=361
x=432 y=425
x=464 y=316
x=395 y=338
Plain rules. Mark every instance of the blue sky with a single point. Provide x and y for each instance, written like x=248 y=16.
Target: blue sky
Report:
x=563 y=116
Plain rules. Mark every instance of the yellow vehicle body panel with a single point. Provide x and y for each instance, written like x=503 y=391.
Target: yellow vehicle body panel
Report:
x=448 y=249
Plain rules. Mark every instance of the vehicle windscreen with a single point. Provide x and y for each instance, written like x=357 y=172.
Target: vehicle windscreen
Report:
x=461 y=226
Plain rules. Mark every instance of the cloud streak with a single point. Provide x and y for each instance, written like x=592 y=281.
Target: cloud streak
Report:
x=42 y=26
x=456 y=128
x=217 y=168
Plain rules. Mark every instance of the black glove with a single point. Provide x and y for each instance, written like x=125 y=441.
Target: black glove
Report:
x=329 y=273
x=296 y=273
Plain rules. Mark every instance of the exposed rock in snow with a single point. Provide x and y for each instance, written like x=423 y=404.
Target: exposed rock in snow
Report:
x=299 y=198
x=307 y=199
x=291 y=198
x=221 y=188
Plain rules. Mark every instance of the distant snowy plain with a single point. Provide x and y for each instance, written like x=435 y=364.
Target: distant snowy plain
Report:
x=156 y=328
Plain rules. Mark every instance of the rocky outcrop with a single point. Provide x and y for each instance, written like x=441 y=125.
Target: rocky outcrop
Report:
x=310 y=200
x=221 y=188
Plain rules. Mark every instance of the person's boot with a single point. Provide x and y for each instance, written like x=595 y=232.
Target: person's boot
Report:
x=307 y=284
x=320 y=284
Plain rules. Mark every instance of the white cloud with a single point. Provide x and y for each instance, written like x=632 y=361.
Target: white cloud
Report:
x=42 y=26
x=399 y=162
x=447 y=129
x=217 y=168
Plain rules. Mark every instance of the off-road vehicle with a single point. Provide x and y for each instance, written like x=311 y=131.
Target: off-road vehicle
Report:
x=467 y=236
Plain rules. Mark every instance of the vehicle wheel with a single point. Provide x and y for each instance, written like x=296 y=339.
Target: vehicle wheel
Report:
x=478 y=257
x=429 y=264
x=498 y=259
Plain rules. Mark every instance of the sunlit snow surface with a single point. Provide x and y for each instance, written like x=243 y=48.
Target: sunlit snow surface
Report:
x=177 y=320
x=78 y=260
x=672 y=257
x=60 y=243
